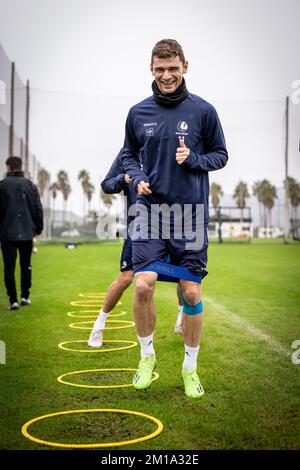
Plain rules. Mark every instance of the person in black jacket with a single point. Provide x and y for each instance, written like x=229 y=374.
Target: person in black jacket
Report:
x=21 y=218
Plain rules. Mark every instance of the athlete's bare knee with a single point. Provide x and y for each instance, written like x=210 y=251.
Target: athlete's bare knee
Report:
x=143 y=289
x=191 y=295
x=125 y=279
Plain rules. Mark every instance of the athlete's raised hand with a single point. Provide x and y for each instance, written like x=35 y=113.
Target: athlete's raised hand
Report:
x=182 y=151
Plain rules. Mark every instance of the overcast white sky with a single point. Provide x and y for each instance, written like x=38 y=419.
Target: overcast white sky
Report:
x=88 y=63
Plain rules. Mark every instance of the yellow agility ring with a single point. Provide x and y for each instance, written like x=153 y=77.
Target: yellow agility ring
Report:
x=93 y=296
x=60 y=378
x=111 y=315
x=126 y=324
x=90 y=446
x=72 y=314
x=131 y=344
x=82 y=294
x=89 y=303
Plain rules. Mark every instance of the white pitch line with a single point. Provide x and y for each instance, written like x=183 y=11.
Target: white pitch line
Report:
x=273 y=343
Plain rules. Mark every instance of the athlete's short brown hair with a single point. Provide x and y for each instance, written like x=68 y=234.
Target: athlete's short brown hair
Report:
x=167 y=48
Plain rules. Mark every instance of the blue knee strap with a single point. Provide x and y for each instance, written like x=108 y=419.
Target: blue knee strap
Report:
x=191 y=309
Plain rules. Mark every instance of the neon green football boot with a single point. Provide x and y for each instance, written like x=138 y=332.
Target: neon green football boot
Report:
x=192 y=384
x=143 y=375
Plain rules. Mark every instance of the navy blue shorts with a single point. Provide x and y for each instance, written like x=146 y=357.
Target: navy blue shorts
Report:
x=147 y=251
x=126 y=263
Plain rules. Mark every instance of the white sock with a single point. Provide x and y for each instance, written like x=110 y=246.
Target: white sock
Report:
x=179 y=315
x=146 y=344
x=100 y=322
x=190 y=357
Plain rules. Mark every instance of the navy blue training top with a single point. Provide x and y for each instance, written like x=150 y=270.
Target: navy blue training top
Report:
x=152 y=131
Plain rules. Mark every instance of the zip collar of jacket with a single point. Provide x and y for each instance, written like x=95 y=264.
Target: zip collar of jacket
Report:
x=170 y=99
x=15 y=173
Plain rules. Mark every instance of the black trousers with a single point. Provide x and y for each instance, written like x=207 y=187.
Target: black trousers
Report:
x=9 y=252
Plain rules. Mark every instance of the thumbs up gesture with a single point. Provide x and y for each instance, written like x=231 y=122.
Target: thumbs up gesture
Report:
x=182 y=151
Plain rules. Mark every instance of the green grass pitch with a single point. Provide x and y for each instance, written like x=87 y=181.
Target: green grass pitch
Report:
x=252 y=316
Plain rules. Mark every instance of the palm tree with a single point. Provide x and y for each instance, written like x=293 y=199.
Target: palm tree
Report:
x=84 y=177
x=43 y=181
x=63 y=184
x=66 y=192
x=257 y=191
x=293 y=188
x=89 y=193
x=216 y=193
x=62 y=179
x=54 y=188
x=269 y=203
x=268 y=194
x=241 y=193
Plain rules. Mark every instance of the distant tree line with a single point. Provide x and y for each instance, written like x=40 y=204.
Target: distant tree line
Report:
x=266 y=194
x=264 y=191
x=62 y=184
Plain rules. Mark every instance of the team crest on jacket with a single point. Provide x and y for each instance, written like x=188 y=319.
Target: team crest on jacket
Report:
x=182 y=126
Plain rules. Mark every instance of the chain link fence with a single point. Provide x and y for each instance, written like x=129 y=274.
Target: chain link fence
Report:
x=14 y=118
